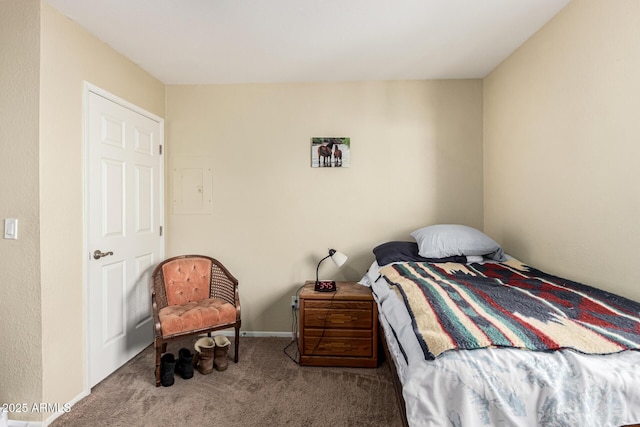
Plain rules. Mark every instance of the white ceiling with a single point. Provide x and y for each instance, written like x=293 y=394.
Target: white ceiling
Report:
x=248 y=41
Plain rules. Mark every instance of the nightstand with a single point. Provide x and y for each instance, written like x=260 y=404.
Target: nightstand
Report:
x=338 y=328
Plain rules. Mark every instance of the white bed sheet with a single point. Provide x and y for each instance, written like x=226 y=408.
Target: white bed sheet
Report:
x=507 y=387
x=395 y=351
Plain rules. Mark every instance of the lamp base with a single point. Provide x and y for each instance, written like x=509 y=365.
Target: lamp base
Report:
x=325 y=286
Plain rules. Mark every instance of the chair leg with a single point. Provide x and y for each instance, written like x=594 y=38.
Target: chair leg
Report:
x=159 y=348
x=237 y=342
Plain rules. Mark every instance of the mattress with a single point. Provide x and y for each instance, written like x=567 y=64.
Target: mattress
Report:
x=505 y=386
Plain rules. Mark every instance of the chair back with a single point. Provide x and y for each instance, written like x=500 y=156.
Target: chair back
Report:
x=187 y=279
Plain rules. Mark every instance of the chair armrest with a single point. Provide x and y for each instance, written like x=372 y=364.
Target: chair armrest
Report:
x=156 y=316
x=237 y=299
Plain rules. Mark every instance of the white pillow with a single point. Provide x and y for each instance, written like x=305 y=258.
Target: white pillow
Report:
x=445 y=240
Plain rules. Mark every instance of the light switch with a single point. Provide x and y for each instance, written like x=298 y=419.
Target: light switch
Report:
x=11 y=228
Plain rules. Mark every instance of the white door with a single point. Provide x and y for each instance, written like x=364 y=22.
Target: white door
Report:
x=124 y=189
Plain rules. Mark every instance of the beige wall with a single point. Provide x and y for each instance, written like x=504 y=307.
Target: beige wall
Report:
x=20 y=325
x=561 y=150
x=46 y=58
x=416 y=160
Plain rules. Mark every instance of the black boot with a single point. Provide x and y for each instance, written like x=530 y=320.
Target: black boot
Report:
x=184 y=366
x=167 y=368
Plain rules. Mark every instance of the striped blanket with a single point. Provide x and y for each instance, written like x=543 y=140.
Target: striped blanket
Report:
x=509 y=304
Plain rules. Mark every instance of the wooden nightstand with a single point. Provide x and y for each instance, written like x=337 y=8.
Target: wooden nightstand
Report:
x=338 y=328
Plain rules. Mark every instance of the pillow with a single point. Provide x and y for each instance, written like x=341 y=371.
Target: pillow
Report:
x=445 y=240
x=389 y=252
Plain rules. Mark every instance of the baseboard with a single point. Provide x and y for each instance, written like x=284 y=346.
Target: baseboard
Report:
x=48 y=420
x=51 y=418
x=261 y=334
x=6 y=422
x=256 y=334
x=14 y=423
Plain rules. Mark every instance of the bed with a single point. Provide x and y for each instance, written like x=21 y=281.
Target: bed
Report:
x=477 y=338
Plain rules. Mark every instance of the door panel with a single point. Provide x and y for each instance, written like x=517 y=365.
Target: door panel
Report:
x=144 y=199
x=124 y=213
x=113 y=302
x=113 y=192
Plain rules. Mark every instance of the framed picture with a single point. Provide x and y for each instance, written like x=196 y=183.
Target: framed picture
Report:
x=330 y=152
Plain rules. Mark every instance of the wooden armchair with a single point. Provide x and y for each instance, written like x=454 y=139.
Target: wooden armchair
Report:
x=192 y=295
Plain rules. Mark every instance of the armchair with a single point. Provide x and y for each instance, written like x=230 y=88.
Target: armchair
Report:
x=192 y=295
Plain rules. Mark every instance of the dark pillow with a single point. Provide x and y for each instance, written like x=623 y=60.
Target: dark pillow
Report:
x=389 y=252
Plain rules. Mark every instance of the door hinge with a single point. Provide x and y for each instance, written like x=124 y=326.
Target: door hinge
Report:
x=160 y=147
x=160 y=231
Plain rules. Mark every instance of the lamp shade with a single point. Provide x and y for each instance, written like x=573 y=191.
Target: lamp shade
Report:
x=339 y=258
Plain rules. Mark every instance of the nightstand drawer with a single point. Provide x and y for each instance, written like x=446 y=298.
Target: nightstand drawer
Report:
x=335 y=318
x=329 y=345
x=339 y=305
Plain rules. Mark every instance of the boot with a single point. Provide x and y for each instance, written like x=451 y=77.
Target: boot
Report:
x=203 y=359
x=220 y=352
x=167 y=368
x=184 y=367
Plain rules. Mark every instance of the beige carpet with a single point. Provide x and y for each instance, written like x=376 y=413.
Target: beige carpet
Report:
x=265 y=388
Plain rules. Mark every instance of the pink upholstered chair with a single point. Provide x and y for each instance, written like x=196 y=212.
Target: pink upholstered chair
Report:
x=192 y=295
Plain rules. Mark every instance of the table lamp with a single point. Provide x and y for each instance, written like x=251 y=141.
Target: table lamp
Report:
x=329 y=285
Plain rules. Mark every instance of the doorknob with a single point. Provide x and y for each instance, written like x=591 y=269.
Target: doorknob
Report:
x=97 y=254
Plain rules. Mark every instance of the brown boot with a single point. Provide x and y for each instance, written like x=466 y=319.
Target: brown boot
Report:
x=203 y=356
x=220 y=352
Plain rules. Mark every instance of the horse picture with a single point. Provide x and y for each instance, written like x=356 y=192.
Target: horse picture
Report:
x=330 y=152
